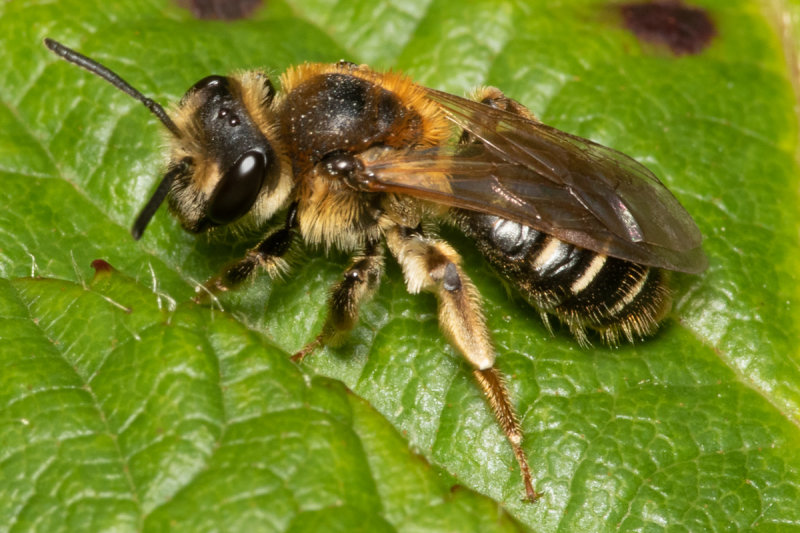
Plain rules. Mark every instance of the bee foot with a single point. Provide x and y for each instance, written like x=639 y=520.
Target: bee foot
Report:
x=207 y=292
x=307 y=349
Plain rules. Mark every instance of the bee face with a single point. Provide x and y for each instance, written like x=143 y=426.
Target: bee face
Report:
x=226 y=163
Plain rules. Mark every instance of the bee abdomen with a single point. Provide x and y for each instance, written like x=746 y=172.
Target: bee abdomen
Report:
x=582 y=288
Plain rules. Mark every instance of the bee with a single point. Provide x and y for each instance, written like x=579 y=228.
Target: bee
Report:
x=364 y=161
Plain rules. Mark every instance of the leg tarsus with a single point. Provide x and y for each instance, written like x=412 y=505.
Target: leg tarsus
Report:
x=494 y=388
x=231 y=277
x=307 y=349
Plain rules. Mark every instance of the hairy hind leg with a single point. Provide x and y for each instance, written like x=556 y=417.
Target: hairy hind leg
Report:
x=432 y=265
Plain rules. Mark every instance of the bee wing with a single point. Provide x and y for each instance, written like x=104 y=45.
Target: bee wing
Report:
x=572 y=188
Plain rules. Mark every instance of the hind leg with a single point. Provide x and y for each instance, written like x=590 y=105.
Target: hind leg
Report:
x=432 y=265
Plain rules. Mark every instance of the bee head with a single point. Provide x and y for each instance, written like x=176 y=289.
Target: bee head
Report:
x=224 y=163
x=223 y=160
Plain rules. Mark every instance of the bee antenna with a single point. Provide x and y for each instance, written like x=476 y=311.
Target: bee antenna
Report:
x=104 y=72
x=155 y=201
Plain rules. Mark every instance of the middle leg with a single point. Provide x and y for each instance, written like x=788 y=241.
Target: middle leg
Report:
x=359 y=283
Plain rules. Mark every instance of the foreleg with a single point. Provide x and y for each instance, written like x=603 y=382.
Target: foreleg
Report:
x=267 y=255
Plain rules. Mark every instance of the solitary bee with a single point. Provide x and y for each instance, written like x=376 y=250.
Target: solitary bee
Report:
x=363 y=161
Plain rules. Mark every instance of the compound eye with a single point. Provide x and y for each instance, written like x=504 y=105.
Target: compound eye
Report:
x=209 y=82
x=214 y=84
x=238 y=189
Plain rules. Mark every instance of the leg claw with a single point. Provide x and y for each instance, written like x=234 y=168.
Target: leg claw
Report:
x=207 y=292
x=307 y=349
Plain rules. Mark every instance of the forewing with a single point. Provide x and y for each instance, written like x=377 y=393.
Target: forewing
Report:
x=576 y=190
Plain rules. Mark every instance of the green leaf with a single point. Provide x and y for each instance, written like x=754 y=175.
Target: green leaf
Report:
x=170 y=412
x=123 y=405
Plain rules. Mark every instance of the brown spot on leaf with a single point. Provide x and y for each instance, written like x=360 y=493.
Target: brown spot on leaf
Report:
x=456 y=488
x=101 y=265
x=220 y=9
x=683 y=29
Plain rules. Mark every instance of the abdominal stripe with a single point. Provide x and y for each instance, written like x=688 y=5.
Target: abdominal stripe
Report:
x=583 y=288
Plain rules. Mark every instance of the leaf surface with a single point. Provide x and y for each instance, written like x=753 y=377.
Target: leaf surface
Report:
x=125 y=405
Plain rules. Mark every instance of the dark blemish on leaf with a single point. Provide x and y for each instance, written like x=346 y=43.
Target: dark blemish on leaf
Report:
x=220 y=9
x=456 y=488
x=684 y=29
x=101 y=266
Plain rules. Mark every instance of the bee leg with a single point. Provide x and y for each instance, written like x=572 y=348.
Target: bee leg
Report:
x=433 y=265
x=267 y=255
x=494 y=97
x=360 y=281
